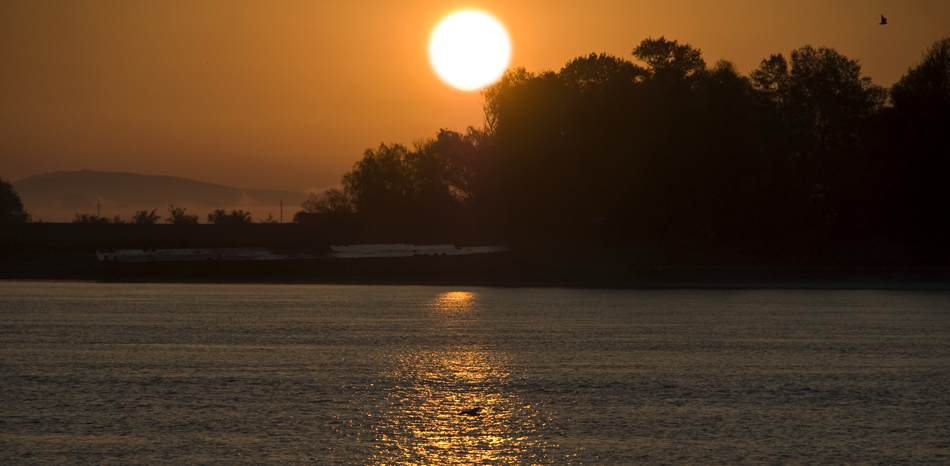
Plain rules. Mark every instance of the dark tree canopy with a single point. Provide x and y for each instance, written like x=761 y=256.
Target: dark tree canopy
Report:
x=595 y=72
x=926 y=87
x=330 y=201
x=178 y=216
x=669 y=62
x=380 y=183
x=95 y=219
x=821 y=95
x=11 y=208
x=235 y=217
x=921 y=119
x=676 y=153
x=144 y=217
x=457 y=158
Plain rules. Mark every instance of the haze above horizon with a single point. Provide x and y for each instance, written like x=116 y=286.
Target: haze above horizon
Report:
x=287 y=95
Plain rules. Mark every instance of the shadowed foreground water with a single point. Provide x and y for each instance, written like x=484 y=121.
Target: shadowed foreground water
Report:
x=273 y=374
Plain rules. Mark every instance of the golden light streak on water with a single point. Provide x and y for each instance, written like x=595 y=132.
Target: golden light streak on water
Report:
x=454 y=302
x=423 y=421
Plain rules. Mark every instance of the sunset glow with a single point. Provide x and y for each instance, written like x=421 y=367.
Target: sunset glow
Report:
x=469 y=49
x=288 y=95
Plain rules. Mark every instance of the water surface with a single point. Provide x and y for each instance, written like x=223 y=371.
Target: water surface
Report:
x=314 y=374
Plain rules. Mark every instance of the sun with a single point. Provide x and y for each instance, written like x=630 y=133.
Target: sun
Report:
x=469 y=49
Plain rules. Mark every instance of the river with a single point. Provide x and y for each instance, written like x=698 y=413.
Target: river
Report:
x=132 y=374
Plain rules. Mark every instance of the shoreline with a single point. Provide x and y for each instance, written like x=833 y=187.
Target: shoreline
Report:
x=69 y=252
x=663 y=277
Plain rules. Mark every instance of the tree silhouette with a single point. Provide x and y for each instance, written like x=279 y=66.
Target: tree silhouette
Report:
x=333 y=200
x=458 y=160
x=821 y=104
x=671 y=153
x=91 y=218
x=380 y=182
x=179 y=217
x=595 y=74
x=925 y=89
x=11 y=208
x=235 y=217
x=671 y=63
x=144 y=217
x=921 y=143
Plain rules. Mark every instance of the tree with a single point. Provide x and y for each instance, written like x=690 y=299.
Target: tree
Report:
x=91 y=218
x=921 y=132
x=380 y=183
x=597 y=73
x=333 y=200
x=821 y=105
x=395 y=184
x=179 y=217
x=821 y=96
x=144 y=217
x=925 y=89
x=671 y=63
x=236 y=217
x=11 y=208
x=530 y=161
x=459 y=161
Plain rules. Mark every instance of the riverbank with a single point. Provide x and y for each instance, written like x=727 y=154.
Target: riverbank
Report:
x=68 y=252
x=503 y=270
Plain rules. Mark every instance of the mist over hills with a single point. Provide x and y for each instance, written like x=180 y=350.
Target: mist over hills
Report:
x=59 y=196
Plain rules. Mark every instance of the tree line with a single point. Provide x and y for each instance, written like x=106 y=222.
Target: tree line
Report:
x=663 y=151
x=176 y=215
x=667 y=151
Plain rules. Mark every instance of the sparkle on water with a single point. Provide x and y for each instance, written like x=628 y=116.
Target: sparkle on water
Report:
x=136 y=374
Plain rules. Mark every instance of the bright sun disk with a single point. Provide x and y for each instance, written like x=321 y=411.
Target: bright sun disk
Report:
x=469 y=49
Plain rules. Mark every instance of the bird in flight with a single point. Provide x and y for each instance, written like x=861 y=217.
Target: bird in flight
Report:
x=883 y=20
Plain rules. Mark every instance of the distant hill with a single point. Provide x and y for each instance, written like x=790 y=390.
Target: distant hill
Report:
x=59 y=196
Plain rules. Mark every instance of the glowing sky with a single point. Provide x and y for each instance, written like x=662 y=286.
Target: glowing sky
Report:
x=287 y=94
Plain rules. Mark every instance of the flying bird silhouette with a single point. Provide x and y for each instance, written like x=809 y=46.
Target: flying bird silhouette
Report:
x=883 y=20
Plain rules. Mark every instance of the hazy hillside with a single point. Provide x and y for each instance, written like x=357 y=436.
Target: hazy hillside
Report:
x=57 y=197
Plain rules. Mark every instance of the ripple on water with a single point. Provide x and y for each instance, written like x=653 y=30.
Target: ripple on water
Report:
x=252 y=374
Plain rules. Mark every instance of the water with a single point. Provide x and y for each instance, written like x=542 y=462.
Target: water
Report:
x=279 y=374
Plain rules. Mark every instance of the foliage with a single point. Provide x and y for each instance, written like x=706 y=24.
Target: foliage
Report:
x=821 y=97
x=817 y=107
x=144 y=217
x=594 y=73
x=235 y=217
x=921 y=121
x=457 y=161
x=330 y=201
x=675 y=153
x=393 y=182
x=671 y=63
x=178 y=216
x=11 y=207
x=926 y=87
x=91 y=218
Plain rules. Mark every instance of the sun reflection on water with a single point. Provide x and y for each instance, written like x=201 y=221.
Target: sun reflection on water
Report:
x=422 y=420
x=454 y=302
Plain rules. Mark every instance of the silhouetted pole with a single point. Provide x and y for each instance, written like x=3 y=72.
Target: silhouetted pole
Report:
x=98 y=209
x=281 y=211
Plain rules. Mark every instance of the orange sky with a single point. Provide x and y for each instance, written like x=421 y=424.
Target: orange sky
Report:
x=287 y=94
